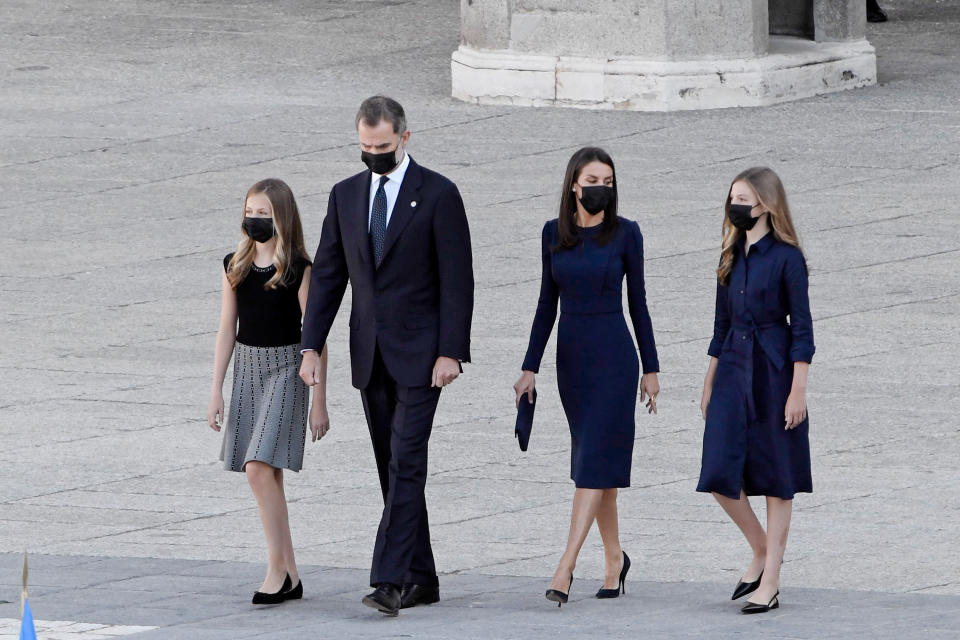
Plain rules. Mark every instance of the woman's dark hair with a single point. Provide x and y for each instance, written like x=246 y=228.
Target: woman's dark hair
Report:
x=569 y=237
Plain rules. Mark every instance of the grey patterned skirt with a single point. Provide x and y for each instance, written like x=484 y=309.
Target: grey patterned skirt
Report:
x=267 y=420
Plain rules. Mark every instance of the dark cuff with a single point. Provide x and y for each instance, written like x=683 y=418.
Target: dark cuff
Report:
x=715 y=348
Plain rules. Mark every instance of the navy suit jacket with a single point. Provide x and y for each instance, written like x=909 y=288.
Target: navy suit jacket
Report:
x=418 y=304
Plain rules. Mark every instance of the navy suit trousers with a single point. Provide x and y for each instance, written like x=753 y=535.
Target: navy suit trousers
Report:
x=400 y=419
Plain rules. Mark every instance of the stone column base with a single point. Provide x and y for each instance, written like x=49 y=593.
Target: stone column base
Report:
x=794 y=68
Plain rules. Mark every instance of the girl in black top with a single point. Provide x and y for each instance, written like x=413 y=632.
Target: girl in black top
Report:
x=265 y=286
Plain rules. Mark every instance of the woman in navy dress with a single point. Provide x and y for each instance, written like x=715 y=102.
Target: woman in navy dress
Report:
x=587 y=252
x=754 y=395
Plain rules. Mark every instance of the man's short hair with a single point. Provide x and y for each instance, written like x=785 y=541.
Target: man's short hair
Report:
x=377 y=108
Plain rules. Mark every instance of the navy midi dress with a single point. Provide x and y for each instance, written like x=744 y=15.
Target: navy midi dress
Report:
x=597 y=365
x=745 y=445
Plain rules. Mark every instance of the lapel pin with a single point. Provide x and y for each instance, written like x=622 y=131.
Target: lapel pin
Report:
x=413 y=203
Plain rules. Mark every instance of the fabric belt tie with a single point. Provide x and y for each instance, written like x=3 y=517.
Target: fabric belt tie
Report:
x=752 y=333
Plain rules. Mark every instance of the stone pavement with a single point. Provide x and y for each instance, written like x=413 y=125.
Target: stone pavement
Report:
x=130 y=133
x=186 y=600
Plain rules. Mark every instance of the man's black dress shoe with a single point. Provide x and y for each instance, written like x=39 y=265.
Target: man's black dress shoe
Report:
x=743 y=588
x=385 y=599
x=756 y=607
x=874 y=12
x=260 y=597
x=414 y=594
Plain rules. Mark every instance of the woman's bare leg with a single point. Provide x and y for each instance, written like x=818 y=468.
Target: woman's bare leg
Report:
x=586 y=503
x=609 y=525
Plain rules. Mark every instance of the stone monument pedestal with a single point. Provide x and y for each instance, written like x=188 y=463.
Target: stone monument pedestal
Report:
x=659 y=55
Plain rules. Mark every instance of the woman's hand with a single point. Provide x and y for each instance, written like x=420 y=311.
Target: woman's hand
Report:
x=649 y=390
x=526 y=384
x=215 y=411
x=796 y=409
x=705 y=401
x=319 y=421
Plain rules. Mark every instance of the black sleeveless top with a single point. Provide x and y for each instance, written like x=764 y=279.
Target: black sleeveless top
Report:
x=269 y=317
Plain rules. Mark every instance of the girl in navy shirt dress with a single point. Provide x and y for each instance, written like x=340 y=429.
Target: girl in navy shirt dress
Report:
x=754 y=395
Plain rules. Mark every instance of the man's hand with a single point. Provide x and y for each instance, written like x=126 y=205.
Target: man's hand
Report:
x=445 y=371
x=310 y=368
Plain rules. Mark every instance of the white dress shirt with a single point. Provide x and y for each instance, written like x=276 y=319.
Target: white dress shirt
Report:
x=391 y=188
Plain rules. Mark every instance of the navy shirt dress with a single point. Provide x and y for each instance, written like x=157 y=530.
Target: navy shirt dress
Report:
x=745 y=444
x=597 y=366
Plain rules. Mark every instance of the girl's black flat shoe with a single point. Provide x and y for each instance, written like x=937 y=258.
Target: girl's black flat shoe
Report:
x=561 y=598
x=259 y=597
x=756 y=607
x=743 y=588
x=296 y=593
x=615 y=593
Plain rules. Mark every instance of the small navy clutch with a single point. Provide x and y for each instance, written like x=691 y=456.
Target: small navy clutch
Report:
x=525 y=419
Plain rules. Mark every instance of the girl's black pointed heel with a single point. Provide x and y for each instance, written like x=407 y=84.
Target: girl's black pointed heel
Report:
x=260 y=597
x=615 y=593
x=743 y=588
x=555 y=595
x=757 y=607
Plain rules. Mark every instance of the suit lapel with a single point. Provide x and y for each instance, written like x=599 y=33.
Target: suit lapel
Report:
x=360 y=215
x=405 y=207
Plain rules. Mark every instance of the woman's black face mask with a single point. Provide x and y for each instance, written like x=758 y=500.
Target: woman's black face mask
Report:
x=596 y=198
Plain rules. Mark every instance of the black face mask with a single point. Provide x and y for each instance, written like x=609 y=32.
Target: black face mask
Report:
x=740 y=216
x=380 y=163
x=259 y=229
x=596 y=199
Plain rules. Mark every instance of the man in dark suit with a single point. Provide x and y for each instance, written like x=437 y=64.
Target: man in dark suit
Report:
x=398 y=233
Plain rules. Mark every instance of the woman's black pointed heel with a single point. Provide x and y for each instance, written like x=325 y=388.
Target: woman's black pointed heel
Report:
x=615 y=593
x=743 y=588
x=756 y=607
x=555 y=595
x=260 y=597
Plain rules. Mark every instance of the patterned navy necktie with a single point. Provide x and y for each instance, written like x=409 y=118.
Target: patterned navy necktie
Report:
x=378 y=221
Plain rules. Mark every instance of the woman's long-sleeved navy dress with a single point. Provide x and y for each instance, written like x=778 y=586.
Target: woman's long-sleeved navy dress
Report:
x=597 y=367
x=745 y=445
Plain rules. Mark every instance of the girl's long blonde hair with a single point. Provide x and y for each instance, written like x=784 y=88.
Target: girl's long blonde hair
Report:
x=287 y=229
x=771 y=196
